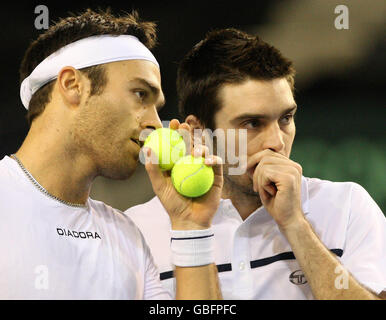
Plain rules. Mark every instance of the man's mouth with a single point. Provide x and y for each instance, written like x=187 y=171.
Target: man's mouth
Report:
x=139 y=143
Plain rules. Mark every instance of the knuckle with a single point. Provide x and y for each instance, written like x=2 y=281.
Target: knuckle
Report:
x=293 y=179
x=298 y=167
x=263 y=161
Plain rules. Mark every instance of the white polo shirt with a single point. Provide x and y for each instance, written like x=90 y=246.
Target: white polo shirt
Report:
x=254 y=259
x=49 y=250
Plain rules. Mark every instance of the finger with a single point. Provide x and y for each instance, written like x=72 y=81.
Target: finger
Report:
x=186 y=131
x=265 y=184
x=174 y=124
x=217 y=165
x=270 y=157
x=260 y=173
x=279 y=170
x=200 y=151
x=213 y=160
x=270 y=188
x=281 y=160
x=184 y=126
x=254 y=159
x=264 y=196
x=153 y=170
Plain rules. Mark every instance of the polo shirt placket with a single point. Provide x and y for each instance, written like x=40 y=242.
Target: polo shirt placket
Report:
x=242 y=283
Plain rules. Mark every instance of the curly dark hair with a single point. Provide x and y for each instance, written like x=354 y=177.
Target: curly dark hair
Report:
x=225 y=56
x=71 y=29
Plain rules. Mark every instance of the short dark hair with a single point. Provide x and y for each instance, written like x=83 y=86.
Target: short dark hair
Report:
x=225 y=56
x=71 y=29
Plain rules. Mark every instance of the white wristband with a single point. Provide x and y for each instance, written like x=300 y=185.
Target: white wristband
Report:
x=192 y=248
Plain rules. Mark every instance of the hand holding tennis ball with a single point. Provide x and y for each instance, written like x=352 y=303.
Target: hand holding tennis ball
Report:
x=190 y=176
x=185 y=213
x=168 y=145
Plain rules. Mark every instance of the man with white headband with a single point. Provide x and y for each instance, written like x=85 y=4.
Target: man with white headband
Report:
x=91 y=85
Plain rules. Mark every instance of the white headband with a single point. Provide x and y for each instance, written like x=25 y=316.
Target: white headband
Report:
x=84 y=53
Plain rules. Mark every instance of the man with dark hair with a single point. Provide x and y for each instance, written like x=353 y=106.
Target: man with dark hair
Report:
x=91 y=85
x=278 y=235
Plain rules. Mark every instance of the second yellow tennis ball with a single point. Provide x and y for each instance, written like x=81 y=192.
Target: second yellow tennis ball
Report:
x=168 y=145
x=191 y=177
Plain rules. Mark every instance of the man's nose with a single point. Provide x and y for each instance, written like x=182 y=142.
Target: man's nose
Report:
x=152 y=120
x=273 y=138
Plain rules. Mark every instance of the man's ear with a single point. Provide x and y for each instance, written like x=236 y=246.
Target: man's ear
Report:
x=71 y=85
x=194 y=123
x=198 y=128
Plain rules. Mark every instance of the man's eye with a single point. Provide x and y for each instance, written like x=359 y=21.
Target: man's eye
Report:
x=251 y=124
x=140 y=94
x=287 y=119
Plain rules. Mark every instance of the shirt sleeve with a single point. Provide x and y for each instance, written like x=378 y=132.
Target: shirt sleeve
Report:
x=364 y=253
x=154 y=290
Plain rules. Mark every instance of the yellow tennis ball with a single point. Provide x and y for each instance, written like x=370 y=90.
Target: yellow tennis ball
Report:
x=168 y=145
x=191 y=177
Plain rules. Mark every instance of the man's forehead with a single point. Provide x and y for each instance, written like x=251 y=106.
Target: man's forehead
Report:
x=131 y=69
x=255 y=88
x=255 y=96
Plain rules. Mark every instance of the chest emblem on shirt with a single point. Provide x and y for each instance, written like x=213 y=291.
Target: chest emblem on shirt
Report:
x=297 y=277
x=77 y=234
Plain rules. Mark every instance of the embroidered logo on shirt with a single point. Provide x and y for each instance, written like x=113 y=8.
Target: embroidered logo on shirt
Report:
x=78 y=234
x=297 y=277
